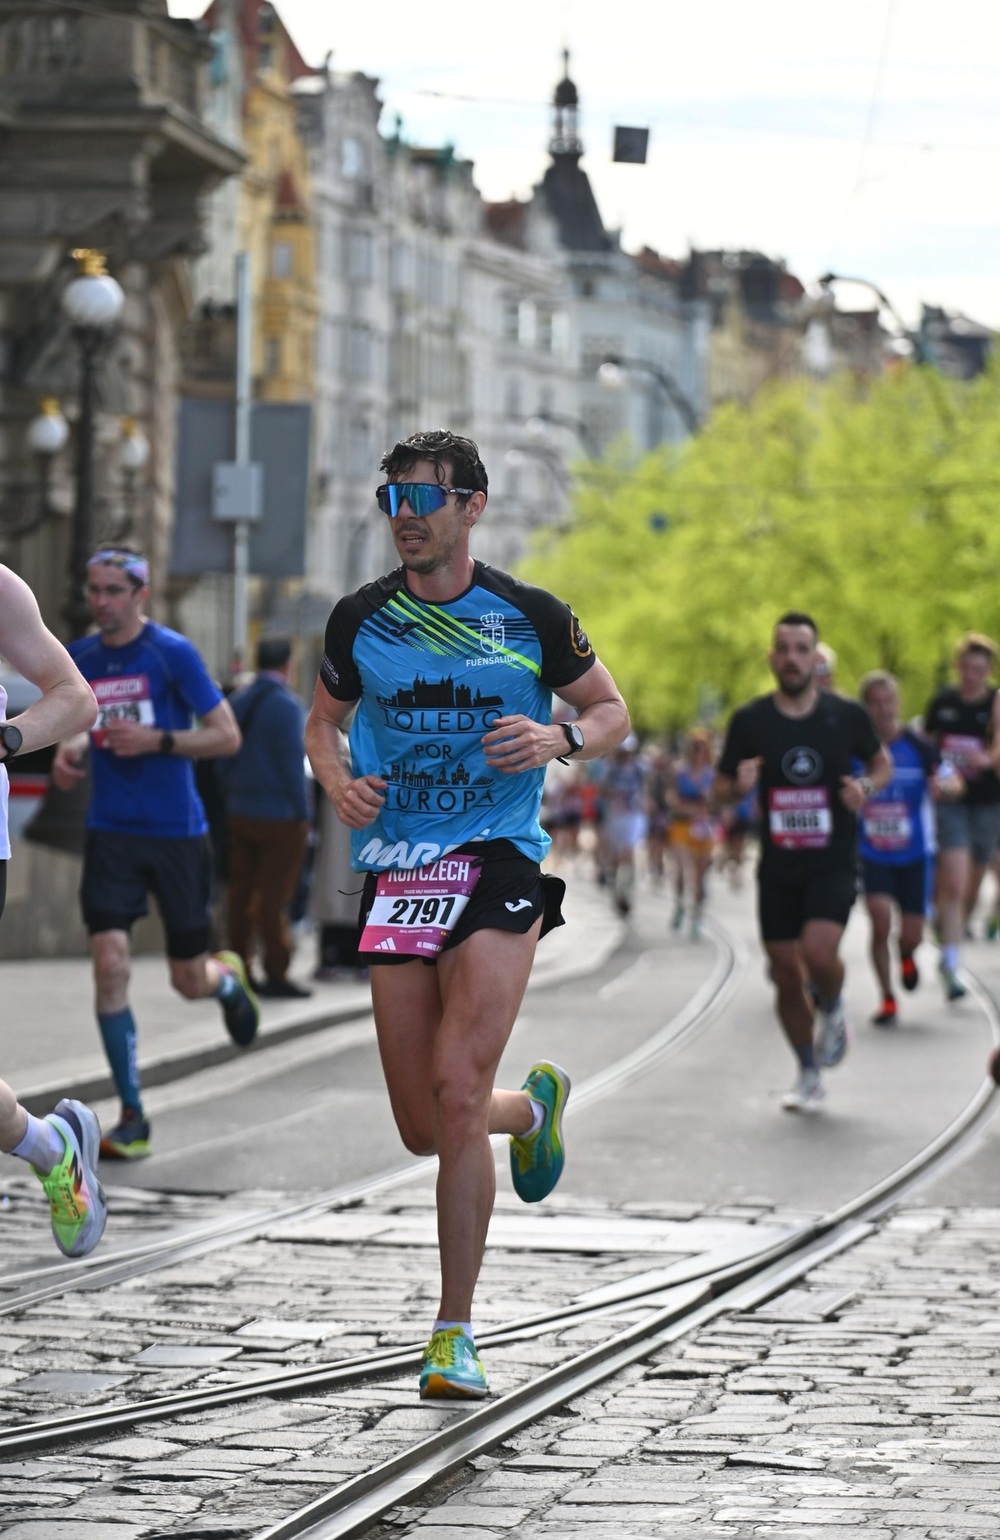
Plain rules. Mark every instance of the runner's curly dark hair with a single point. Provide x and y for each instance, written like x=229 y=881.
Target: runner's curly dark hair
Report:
x=438 y=445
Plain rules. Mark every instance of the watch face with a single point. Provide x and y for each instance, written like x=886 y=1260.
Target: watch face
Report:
x=574 y=735
x=10 y=737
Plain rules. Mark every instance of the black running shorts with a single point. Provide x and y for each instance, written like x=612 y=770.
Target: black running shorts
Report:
x=121 y=870
x=497 y=903
x=909 y=885
x=786 y=904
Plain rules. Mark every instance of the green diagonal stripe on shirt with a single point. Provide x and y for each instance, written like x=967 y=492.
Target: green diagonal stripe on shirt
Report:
x=453 y=632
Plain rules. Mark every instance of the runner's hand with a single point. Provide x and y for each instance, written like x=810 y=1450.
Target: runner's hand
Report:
x=519 y=743
x=67 y=768
x=128 y=739
x=361 y=801
x=851 y=794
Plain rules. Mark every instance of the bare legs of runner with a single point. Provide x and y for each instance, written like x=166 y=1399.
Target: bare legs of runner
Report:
x=441 y=1032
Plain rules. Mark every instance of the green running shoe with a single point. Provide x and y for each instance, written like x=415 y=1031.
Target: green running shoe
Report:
x=76 y=1198
x=452 y=1370
x=537 y=1160
x=240 y=1012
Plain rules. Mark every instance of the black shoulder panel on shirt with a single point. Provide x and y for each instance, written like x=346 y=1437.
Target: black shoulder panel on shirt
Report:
x=337 y=669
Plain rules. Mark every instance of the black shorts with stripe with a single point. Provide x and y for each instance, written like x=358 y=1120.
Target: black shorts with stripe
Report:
x=510 y=895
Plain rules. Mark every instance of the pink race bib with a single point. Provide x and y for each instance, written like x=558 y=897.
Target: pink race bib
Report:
x=123 y=699
x=887 y=825
x=414 y=912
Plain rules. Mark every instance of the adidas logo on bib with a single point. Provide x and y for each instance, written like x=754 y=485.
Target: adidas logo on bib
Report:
x=388 y=945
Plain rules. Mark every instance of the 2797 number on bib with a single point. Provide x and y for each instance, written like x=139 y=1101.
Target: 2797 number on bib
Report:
x=413 y=913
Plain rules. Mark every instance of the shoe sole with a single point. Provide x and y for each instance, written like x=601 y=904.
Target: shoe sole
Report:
x=809 y=1109
x=437 y=1388
x=138 y=1150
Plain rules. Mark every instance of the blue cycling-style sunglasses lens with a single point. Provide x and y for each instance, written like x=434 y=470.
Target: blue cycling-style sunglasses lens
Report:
x=423 y=496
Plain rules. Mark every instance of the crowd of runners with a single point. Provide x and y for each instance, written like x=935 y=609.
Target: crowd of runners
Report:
x=843 y=799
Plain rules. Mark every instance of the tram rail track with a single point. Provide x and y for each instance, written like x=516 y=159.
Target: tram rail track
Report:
x=678 y=1300
x=353 y=1506
x=36 y=1286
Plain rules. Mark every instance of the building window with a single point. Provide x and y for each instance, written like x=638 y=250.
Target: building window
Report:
x=512 y=398
x=272 y=357
x=282 y=260
x=402 y=268
x=511 y=322
x=544 y=330
x=359 y=450
x=352 y=162
x=359 y=351
x=360 y=256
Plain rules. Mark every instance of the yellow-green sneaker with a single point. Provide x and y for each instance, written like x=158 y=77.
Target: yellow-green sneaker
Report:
x=76 y=1198
x=452 y=1370
x=537 y=1160
x=240 y=1011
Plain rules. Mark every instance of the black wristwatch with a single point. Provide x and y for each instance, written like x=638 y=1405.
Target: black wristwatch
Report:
x=166 y=743
x=11 y=738
x=575 y=740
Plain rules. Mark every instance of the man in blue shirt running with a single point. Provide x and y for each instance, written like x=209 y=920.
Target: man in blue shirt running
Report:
x=146 y=827
x=443 y=671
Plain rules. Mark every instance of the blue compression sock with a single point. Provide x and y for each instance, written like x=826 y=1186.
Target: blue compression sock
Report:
x=120 y=1038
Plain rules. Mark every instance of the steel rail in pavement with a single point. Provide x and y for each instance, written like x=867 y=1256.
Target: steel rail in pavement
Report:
x=97 y=1271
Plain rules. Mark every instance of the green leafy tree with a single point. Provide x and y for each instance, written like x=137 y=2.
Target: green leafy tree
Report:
x=871 y=504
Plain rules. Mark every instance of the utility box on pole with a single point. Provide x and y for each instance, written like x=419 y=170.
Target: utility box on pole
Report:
x=237 y=491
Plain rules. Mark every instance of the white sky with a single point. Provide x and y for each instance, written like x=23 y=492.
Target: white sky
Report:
x=861 y=136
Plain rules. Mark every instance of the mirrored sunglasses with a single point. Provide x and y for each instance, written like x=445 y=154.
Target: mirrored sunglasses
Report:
x=423 y=496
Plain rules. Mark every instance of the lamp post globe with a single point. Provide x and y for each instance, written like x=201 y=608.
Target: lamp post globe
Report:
x=93 y=300
x=49 y=431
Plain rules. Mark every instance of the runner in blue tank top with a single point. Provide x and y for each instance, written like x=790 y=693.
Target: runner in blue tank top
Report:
x=444 y=672
x=896 y=841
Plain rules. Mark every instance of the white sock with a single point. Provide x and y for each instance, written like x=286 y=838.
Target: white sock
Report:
x=466 y=1327
x=949 y=957
x=537 y=1120
x=43 y=1145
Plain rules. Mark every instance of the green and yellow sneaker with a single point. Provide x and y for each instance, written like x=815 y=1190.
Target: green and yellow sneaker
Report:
x=76 y=1198
x=452 y=1370
x=240 y=1010
x=537 y=1160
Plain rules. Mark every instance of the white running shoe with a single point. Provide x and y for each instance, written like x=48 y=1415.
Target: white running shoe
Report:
x=806 y=1094
x=833 y=1036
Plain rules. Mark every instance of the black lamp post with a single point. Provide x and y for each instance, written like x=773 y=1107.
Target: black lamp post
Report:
x=612 y=374
x=93 y=301
x=916 y=341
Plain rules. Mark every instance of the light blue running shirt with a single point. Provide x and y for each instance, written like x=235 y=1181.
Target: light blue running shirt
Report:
x=431 y=680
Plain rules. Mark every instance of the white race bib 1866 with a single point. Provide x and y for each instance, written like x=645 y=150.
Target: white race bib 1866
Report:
x=414 y=912
x=800 y=817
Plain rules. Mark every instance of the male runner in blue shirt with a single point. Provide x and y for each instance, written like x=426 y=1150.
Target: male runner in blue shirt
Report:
x=444 y=672
x=146 y=827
